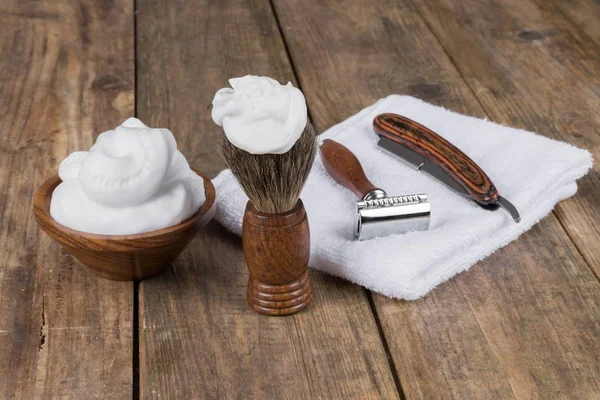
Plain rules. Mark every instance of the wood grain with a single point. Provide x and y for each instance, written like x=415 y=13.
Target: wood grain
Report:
x=66 y=74
x=585 y=15
x=535 y=305
x=431 y=146
x=345 y=168
x=277 y=250
x=198 y=338
x=123 y=257
x=529 y=69
x=522 y=323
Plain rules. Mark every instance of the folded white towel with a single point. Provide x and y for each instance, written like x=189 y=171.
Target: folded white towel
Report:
x=532 y=171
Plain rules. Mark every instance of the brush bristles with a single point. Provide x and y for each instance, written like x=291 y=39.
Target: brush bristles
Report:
x=272 y=182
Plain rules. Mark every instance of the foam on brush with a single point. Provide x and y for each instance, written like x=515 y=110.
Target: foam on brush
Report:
x=272 y=182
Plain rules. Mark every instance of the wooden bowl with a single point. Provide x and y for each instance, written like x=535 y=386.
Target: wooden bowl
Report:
x=123 y=257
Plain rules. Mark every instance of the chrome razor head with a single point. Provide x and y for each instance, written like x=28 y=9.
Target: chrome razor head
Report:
x=391 y=215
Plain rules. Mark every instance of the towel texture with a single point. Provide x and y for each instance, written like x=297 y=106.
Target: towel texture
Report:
x=532 y=171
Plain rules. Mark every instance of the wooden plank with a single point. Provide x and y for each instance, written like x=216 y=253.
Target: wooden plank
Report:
x=530 y=70
x=522 y=323
x=197 y=335
x=535 y=304
x=66 y=74
x=585 y=14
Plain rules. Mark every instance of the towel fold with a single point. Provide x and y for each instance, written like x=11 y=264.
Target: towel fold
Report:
x=532 y=171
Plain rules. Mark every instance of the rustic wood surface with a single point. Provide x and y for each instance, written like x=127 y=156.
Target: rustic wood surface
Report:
x=197 y=334
x=513 y=325
x=522 y=323
x=66 y=74
x=584 y=14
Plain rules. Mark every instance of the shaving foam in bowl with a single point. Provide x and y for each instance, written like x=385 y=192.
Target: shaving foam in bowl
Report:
x=123 y=257
x=133 y=180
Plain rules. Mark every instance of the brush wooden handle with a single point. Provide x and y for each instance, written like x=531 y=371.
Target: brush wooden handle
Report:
x=277 y=249
x=345 y=168
x=439 y=151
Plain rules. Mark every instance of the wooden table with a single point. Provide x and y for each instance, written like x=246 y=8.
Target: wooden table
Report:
x=523 y=323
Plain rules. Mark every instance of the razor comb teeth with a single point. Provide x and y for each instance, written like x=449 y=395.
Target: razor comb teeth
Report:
x=393 y=201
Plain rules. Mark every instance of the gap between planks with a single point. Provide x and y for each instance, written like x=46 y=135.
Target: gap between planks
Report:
x=135 y=363
x=487 y=113
x=368 y=294
x=288 y=55
x=386 y=346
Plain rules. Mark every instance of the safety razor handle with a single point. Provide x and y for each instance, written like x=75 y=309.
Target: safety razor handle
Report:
x=440 y=152
x=345 y=168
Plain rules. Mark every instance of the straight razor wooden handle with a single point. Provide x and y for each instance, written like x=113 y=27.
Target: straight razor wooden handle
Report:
x=440 y=152
x=345 y=168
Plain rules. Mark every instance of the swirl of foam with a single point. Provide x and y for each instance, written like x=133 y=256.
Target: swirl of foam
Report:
x=128 y=164
x=133 y=180
x=259 y=115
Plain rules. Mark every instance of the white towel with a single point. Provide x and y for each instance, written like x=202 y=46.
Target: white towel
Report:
x=532 y=171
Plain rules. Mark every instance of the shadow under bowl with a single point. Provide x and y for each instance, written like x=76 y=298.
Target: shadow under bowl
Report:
x=123 y=257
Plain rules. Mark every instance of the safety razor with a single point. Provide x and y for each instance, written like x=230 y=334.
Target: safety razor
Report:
x=377 y=214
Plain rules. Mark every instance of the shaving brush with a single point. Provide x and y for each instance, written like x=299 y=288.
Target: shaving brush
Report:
x=275 y=234
x=271 y=163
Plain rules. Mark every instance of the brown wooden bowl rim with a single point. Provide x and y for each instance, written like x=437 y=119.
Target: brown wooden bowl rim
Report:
x=42 y=213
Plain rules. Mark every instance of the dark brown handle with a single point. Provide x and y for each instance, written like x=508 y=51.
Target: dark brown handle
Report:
x=277 y=250
x=439 y=151
x=345 y=168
